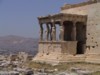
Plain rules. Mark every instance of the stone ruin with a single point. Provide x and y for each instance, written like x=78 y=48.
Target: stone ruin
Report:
x=73 y=35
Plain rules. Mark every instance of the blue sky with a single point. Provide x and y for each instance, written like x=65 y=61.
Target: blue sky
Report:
x=19 y=17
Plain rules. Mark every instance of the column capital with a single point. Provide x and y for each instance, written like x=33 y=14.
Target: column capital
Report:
x=52 y=20
x=61 y=23
x=40 y=23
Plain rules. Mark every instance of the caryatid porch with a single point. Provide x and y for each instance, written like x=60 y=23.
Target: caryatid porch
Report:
x=72 y=29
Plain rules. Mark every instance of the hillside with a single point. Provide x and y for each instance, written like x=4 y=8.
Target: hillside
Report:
x=14 y=44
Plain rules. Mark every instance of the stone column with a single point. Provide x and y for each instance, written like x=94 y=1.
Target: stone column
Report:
x=47 y=32
x=41 y=32
x=74 y=31
x=53 y=34
x=61 y=35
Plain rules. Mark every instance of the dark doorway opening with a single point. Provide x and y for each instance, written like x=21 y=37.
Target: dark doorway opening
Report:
x=68 y=25
x=81 y=37
x=80 y=49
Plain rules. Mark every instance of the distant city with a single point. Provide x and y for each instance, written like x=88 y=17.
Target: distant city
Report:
x=12 y=44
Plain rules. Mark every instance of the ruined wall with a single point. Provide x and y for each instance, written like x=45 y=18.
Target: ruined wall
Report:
x=49 y=48
x=60 y=51
x=93 y=30
x=68 y=47
x=78 y=10
x=93 y=25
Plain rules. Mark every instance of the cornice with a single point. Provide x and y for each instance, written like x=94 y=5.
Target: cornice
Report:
x=69 y=6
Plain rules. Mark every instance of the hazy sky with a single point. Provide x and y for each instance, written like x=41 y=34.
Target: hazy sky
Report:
x=19 y=17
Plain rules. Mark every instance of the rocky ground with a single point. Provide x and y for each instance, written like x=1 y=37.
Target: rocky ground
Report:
x=90 y=69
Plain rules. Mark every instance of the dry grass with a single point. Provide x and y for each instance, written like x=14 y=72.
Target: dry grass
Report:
x=38 y=65
x=96 y=73
x=65 y=66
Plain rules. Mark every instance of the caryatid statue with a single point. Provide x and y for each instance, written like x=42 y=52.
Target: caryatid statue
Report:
x=61 y=35
x=53 y=33
x=41 y=32
x=47 y=32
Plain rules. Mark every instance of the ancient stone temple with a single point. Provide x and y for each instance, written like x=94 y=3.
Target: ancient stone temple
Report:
x=73 y=35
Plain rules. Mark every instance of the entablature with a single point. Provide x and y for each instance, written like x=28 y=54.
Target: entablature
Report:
x=62 y=17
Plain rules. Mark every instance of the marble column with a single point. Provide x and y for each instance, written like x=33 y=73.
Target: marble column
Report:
x=74 y=31
x=47 y=32
x=61 y=36
x=41 y=32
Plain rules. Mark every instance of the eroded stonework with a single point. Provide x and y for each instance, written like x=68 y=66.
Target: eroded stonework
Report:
x=79 y=34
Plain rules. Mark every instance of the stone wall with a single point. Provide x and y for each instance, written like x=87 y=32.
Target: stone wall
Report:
x=49 y=47
x=68 y=47
x=79 y=10
x=93 y=29
x=50 y=52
